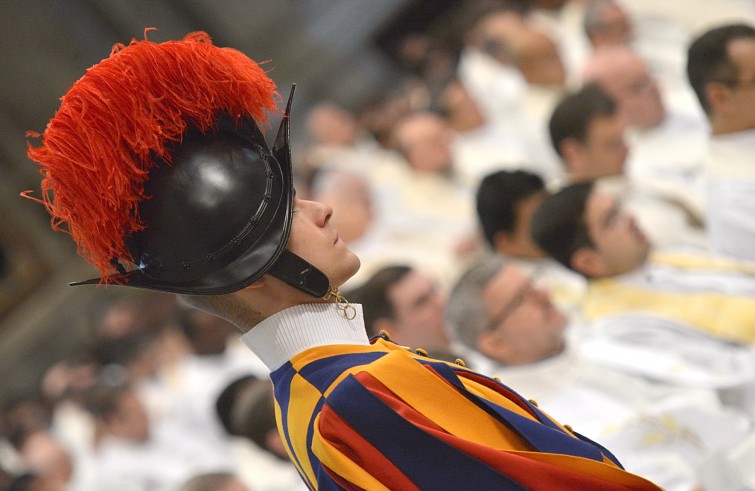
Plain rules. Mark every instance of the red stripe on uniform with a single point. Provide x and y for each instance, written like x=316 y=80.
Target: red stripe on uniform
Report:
x=530 y=473
x=342 y=436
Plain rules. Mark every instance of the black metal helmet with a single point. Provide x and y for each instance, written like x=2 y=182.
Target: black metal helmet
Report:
x=219 y=216
x=213 y=207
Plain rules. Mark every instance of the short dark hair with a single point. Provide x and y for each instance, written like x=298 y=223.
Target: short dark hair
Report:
x=25 y=482
x=465 y=310
x=499 y=194
x=573 y=114
x=373 y=295
x=559 y=226
x=246 y=408
x=708 y=60
x=227 y=398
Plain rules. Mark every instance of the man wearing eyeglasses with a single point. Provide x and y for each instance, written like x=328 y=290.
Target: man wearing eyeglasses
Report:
x=586 y=228
x=721 y=70
x=510 y=328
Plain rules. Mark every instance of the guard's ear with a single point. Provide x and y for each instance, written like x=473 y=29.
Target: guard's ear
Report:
x=588 y=262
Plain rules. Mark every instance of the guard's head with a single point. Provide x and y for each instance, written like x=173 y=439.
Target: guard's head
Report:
x=156 y=167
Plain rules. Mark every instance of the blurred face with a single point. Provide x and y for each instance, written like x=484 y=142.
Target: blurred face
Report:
x=619 y=243
x=741 y=100
x=44 y=455
x=463 y=113
x=617 y=28
x=315 y=240
x=427 y=143
x=331 y=125
x=636 y=93
x=130 y=421
x=604 y=151
x=524 y=326
x=539 y=60
x=500 y=27
x=418 y=308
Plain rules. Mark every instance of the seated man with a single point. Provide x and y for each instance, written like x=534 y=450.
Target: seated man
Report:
x=423 y=199
x=512 y=330
x=246 y=410
x=585 y=229
x=587 y=130
x=667 y=140
x=337 y=138
x=721 y=67
x=515 y=74
x=408 y=305
x=506 y=201
x=130 y=451
x=221 y=226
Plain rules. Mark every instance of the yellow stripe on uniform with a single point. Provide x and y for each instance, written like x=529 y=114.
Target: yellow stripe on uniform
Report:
x=457 y=415
x=331 y=457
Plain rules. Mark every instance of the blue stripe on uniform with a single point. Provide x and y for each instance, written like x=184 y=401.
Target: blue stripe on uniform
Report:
x=428 y=462
x=282 y=378
x=545 y=437
x=323 y=372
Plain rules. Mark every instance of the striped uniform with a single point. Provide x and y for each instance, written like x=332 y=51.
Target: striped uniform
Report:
x=360 y=415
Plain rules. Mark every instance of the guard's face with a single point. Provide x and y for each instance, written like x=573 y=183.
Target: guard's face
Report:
x=316 y=241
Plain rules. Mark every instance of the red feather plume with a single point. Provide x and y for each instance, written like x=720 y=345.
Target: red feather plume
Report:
x=97 y=150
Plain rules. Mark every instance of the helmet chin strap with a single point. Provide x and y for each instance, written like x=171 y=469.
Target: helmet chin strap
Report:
x=290 y=268
x=295 y=271
x=300 y=274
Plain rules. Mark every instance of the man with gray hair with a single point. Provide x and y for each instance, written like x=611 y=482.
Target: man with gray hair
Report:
x=495 y=311
x=511 y=329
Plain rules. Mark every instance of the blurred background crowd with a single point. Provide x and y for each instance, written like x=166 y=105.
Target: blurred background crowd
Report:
x=556 y=192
